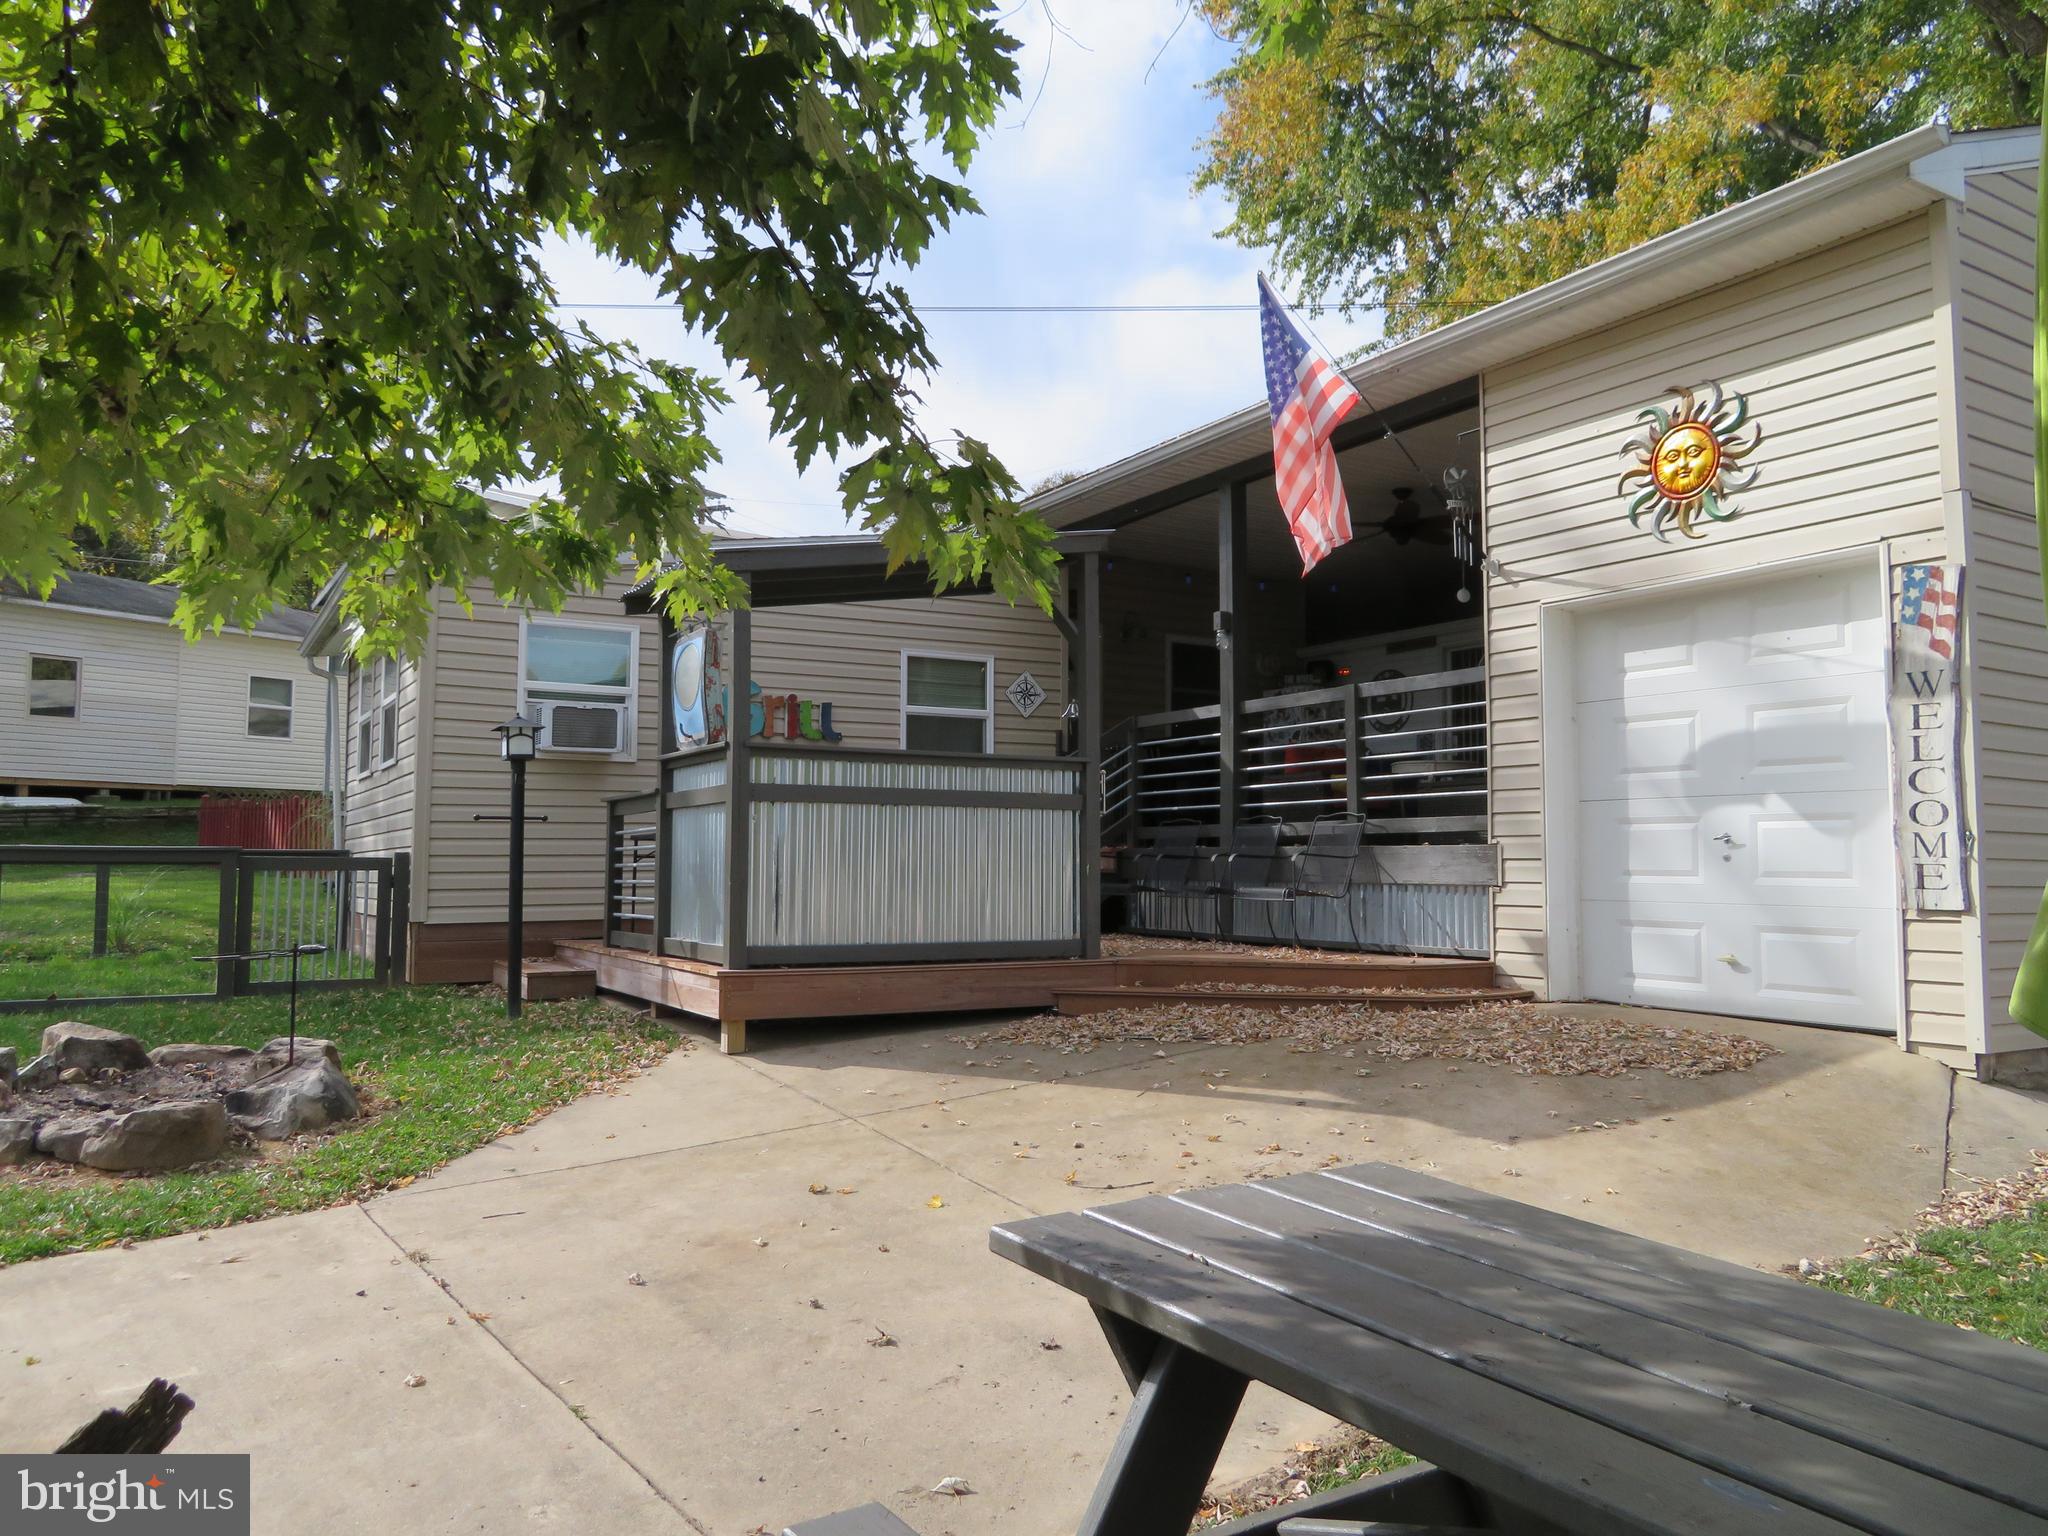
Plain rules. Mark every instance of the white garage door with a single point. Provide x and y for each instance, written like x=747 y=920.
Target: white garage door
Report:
x=1735 y=805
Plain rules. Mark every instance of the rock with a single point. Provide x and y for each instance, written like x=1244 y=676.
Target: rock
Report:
x=72 y=1044
x=198 y=1055
x=39 y=1073
x=17 y=1139
x=6 y=1093
x=9 y=1064
x=174 y=1135
x=65 y=1136
x=73 y=1075
x=302 y=1097
x=272 y=1056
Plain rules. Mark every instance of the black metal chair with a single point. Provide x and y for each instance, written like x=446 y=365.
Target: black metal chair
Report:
x=1176 y=842
x=1252 y=863
x=1326 y=869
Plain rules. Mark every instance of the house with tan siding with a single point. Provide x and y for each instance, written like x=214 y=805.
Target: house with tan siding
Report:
x=420 y=759
x=99 y=691
x=1761 y=734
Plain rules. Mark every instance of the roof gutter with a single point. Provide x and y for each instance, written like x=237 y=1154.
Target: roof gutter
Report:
x=1467 y=341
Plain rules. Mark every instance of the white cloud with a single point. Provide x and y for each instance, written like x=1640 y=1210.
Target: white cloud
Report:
x=1086 y=197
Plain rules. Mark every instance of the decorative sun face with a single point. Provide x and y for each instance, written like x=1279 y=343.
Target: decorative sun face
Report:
x=1687 y=461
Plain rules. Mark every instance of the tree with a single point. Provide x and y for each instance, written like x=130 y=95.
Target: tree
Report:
x=1436 y=156
x=270 y=297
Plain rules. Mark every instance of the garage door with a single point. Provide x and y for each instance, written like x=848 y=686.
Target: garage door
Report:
x=1735 y=804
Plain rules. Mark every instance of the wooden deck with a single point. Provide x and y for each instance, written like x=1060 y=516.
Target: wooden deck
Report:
x=735 y=999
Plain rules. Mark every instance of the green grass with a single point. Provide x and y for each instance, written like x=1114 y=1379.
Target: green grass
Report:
x=442 y=1070
x=158 y=916
x=1993 y=1279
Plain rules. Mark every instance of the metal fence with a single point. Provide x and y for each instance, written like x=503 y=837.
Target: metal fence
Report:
x=1408 y=753
x=229 y=901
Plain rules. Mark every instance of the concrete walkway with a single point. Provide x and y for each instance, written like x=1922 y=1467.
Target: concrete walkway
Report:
x=817 y=1320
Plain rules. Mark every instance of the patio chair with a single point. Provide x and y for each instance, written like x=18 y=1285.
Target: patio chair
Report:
x=1252 y=866
x=1327 y=868
x=1177 y=843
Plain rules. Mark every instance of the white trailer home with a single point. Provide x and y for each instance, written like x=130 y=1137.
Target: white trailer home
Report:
x=100 y=692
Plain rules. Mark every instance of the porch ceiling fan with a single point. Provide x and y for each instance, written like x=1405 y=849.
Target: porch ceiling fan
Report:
x=1406 y=523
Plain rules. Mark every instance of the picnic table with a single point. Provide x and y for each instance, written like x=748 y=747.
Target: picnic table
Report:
x=1554 y=1375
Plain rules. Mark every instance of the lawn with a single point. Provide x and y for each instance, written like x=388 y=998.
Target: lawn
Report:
x=158 y=917
x=441 y=1069
x=1993 y=1279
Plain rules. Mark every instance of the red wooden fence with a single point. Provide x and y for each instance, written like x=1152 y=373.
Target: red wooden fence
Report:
x=292 y=821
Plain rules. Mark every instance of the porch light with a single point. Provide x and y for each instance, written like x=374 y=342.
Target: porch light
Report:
x=518 y=738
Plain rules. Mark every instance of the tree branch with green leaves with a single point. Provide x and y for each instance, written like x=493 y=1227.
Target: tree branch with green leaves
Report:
x=271 y=301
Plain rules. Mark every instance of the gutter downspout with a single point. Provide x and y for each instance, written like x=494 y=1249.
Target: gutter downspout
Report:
x=332 y=780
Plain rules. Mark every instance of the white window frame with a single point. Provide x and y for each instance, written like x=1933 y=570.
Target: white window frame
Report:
x=363 y=720
x=77 y=686
x=390 y=676
x=593 y=693
x=905 y=709
x=252 y=704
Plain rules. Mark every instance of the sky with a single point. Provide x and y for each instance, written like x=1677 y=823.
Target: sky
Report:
x=1086 y=189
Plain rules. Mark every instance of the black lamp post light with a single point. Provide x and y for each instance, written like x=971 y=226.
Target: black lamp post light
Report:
x=518 y=739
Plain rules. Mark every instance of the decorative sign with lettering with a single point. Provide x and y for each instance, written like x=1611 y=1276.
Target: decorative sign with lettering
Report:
x=1933 y=843
x=1025 y=694
x=789 y=717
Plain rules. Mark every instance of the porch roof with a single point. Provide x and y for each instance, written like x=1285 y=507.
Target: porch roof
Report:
x=836 y=568
x=1422 y=378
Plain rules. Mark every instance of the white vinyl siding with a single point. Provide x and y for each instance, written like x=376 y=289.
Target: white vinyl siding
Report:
x=850 y=656
x=1837 y=354
x=153 y=710
x=2007 y=675
x=459 y=863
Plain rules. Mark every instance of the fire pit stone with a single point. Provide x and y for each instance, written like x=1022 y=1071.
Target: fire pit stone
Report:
x=92 y=1049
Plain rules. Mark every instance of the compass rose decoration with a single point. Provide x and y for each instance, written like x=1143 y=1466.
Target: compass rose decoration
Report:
x=1689 y=461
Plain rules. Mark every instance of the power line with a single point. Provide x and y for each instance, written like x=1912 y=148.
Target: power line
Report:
x=1080 y=309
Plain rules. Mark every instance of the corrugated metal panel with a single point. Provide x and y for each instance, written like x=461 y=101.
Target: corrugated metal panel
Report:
x=697 y=873
x=707 y=774
x=838 y=873
x=993 y=775
x=1405 y=919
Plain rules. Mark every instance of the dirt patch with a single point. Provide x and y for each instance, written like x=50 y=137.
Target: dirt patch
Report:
x=115 y=1092
x=1226 y=988
x=1313 y=1465
x=1531 y=1040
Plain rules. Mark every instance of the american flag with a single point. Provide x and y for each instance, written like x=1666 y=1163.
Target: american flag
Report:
x=1925 y=601
x=1309 y=397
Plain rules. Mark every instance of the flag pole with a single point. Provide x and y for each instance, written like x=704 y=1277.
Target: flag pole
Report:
x=2029 y=1003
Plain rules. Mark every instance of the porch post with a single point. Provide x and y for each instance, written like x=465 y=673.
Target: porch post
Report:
x=664 y=852
x=739 y=671
x=1233 y=672
x=1088 y=684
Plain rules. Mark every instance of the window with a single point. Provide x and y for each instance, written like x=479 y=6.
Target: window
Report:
x=365 y=717
x=270 y=706
x=387 y=710
x=564 y=661
x=53 y=687
x=948 y=702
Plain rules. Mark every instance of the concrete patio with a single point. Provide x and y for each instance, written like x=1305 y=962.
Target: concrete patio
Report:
x=817 y=1320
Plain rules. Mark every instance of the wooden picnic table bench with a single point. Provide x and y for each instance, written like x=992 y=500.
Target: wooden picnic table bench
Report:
x=1554 y=1375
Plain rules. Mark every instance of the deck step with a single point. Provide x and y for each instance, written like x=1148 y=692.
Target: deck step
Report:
x=1102 y=999
x=550 y=980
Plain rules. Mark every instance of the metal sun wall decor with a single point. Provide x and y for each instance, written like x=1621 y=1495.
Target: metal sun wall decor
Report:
x=1688 y=461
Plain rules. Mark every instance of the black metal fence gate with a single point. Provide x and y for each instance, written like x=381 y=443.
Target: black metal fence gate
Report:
x=353 y=906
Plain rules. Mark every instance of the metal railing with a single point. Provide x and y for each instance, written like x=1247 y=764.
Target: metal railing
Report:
x=630 y=902
x=177 y=904
x=1410 y=754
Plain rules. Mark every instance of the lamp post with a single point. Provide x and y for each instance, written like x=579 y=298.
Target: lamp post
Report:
x=517 y=740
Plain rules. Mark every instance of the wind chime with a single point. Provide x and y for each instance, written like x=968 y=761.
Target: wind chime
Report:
x=1464 y=528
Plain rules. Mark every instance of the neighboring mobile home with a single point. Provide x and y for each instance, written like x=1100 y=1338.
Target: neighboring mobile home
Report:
x=100 y=692
x=420 y=760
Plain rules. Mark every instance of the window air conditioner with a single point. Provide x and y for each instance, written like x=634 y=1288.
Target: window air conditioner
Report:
x=582 y=727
